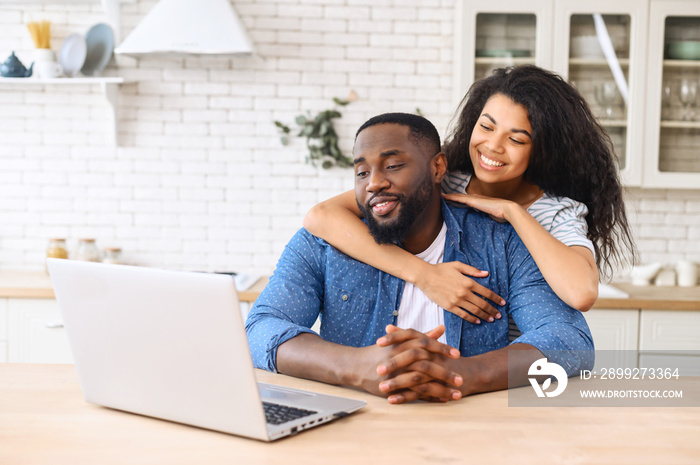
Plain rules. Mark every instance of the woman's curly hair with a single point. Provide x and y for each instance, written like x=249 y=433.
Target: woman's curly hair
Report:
x=572 y=155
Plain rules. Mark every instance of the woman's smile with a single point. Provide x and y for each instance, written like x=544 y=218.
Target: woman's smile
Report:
x=501 y=141
x=488 y=162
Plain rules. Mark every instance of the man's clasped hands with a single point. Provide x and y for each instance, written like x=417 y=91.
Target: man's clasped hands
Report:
x=407 y=365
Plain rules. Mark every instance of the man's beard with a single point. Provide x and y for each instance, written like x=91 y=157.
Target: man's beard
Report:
x=395 y=231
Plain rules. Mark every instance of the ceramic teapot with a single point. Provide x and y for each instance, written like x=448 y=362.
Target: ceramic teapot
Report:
x=12 y=67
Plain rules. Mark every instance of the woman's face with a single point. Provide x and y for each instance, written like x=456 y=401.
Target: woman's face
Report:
x=501 y=141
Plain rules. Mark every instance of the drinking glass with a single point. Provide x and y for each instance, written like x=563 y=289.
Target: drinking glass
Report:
x=666 y=93
x=606 y=95
x=688 y=94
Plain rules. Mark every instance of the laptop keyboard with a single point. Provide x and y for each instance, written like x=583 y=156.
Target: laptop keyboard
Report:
x=277 y=414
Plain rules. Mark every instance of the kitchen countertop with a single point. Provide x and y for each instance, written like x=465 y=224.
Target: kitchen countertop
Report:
x=37 y=284
x=26 y=284
x=653 y=298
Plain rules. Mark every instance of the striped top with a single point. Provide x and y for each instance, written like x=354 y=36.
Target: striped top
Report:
x=562 y=217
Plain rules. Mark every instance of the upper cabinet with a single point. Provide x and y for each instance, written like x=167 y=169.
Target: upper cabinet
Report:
x=600 y=48
x=508 y=32
x=617 y=55
x=672 y=117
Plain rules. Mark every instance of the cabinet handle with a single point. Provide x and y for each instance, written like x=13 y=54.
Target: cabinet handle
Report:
x=53 y=323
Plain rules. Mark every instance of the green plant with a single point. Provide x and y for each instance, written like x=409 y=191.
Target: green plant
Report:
x=321 y=138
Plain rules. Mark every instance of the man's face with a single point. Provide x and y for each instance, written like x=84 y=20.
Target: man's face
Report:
x=393 y=182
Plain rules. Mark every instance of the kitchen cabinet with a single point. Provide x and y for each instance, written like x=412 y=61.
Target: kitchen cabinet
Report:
x=496 y=34
x=579 y=57
x=31 y=327
x=646 y=338
x=672 y=158
x=616 y=333
x=35 y=332
x=670 y=339
x=662 y=330
x=624 y=92
x=3 y=330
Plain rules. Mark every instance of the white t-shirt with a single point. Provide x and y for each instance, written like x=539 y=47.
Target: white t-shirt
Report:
x=562 y=217
x=416 y=310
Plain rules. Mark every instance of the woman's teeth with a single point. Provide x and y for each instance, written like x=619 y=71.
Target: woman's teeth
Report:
x=488 y=161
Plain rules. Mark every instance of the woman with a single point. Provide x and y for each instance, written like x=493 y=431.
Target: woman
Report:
x=526 y=149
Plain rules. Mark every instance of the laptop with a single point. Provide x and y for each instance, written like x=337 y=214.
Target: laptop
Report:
x=172 y=345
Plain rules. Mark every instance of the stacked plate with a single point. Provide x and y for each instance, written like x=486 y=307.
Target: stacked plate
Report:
x=100 y=44
x=89 y=54
x=502 y=53
x=683 y=50
x=72 y=54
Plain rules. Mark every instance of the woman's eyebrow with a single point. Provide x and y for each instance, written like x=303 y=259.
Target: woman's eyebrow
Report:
x=489 y=117
x=520 y=131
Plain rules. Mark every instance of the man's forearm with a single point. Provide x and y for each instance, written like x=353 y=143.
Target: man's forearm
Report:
x=308 y=356
x=490 y=371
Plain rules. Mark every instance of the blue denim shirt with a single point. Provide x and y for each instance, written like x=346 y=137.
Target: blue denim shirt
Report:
x=356 y=302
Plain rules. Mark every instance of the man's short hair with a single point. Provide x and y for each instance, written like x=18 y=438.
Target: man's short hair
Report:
x=422 y=131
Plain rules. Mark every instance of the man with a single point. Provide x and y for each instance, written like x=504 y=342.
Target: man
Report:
x=398 y=170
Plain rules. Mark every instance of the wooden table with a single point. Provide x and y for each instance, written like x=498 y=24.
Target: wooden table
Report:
x=44 y=420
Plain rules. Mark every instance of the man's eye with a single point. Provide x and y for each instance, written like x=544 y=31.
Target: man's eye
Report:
x=361 y=174
x=393 y=167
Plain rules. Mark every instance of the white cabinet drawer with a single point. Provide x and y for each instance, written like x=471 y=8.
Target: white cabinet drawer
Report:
x=688 y=365
x=669 y=330
x=614 y=336
x=613 y=329
x=3 y=320
x=36 y=333
x=3 y=330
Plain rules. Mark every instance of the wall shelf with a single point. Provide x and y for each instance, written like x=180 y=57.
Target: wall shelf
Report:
x=62 y=80
x=624 y=62
x=109 y=86
x=505 y=61
x=613 y=123
x=681 y=63
x=681 y=124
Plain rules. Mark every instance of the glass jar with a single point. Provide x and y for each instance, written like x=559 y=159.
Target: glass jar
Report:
x=87 y=251
x=112 y=255
x=57 y=249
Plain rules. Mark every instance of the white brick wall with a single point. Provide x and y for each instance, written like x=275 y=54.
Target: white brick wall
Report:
x=200 y=180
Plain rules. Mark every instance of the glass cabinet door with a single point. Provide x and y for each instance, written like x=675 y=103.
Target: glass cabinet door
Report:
x=503 y=39
x=673 y=158
x=503 y=34
x=600 y=50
